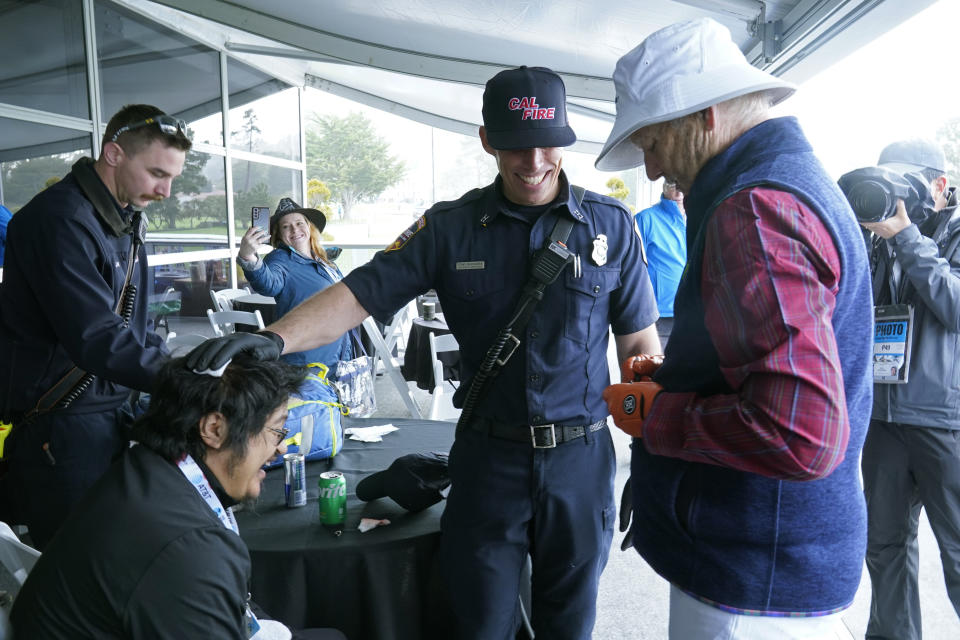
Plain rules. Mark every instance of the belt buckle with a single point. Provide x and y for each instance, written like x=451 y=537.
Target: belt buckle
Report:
x=553 y=436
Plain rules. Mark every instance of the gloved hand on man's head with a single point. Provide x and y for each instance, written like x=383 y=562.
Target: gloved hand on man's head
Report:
x=216 y=352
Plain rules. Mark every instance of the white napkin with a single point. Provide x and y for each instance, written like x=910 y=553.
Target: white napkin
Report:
x=370 y=434
x=371 y=523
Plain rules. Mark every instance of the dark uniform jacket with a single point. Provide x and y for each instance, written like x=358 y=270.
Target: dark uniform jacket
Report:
x=476 y=252
x=64 y=270
x=142 y=556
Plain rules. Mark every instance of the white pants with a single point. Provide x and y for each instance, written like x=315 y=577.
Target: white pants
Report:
x=691 y=619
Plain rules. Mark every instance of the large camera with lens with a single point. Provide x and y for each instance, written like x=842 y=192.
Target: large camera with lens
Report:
x=873 y=193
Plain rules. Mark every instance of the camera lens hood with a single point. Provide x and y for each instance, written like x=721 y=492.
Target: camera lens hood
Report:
x=873 y=192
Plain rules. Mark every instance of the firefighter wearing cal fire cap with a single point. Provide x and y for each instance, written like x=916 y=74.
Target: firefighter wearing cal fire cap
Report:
x=533 y=464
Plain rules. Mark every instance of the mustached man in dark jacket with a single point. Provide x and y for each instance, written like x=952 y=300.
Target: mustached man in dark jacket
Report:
x=64 y=313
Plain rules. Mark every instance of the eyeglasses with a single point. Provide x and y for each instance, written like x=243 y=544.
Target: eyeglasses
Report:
x=168 y=124
x=282 y=433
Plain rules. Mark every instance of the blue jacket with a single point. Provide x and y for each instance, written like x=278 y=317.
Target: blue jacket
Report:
x=475 y=252
x=291 y=278
x=663 y=229
x=5 y=216
x=64 y=272
x=737 y=538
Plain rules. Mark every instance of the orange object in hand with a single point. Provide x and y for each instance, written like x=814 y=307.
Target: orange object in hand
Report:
x=635 y=368
x=630 y=403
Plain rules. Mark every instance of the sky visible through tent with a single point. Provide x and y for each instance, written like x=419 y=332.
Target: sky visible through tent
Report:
x=898 y=86
x=903 y=84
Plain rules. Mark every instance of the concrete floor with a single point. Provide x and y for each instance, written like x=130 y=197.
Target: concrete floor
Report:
x=633 y=602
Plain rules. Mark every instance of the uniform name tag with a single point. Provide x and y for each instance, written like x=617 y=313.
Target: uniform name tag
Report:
x=468 y=266
x=892 y=342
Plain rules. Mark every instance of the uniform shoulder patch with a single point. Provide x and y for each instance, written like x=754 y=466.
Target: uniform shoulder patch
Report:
x=404 y=237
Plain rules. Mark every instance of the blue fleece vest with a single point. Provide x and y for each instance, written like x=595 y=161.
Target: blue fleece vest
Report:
x=736 y=538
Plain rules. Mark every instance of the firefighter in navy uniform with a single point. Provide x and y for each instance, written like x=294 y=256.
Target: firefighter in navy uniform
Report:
x=64 y=314
x=533 y=464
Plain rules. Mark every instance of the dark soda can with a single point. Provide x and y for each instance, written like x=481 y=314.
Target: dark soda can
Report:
x=295 y=479
x=333 y=499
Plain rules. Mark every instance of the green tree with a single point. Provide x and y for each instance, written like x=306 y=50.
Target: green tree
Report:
x=474 y=168
x=23 y=179
x=164 y=214
x=948 y=135
x=318 y=197
x=347 y=154
x=257 y=196
x=247 y=135
x=618 y=188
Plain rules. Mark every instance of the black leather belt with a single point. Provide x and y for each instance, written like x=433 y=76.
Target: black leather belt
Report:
x=540 y=436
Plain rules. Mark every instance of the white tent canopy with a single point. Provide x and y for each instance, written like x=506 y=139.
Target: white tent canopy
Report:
x=427 y=60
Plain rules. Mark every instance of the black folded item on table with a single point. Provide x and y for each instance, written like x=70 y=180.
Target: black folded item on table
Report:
x=413 y=481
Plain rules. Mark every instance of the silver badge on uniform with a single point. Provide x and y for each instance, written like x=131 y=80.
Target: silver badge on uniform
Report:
x=599 y=254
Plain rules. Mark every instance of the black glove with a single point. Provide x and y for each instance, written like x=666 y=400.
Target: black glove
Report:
x=626 y=514
x=216 y=352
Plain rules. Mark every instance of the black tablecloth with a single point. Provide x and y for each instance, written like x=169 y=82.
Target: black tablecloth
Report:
x=379 y=585
x=256 y=302
x=417 y=363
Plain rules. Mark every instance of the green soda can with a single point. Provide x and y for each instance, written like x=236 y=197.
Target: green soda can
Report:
x=333 y=499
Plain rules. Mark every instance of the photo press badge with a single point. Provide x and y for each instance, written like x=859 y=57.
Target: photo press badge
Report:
x=892 y=342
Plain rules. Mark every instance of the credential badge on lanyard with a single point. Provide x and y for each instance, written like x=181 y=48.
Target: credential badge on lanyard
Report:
x=892 y=343
x=191 y=470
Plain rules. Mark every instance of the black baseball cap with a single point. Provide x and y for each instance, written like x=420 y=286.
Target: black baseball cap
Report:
x=413 y=481
x=525 y=108
x=916 y=154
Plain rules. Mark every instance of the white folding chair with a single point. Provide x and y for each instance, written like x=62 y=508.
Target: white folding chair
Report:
x=223 y=299
x=223 y=322
x=439 y=344
x=180 y=345
x=395 y=333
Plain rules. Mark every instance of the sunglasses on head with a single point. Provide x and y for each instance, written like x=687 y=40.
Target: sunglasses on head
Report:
x=168 y=124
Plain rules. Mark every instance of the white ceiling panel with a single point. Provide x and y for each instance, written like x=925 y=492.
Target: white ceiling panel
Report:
x=428 y=59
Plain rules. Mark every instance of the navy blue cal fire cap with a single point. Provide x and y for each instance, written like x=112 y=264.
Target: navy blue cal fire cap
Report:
x=526 y=107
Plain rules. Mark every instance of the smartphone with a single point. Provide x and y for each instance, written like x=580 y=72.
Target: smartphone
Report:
x=260 y=217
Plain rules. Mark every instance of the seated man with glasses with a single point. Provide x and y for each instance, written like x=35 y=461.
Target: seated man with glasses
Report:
x=153 y=550
x=73 y=307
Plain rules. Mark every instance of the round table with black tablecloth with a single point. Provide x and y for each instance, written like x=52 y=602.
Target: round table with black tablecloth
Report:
x=417 y=362
x=380 y=585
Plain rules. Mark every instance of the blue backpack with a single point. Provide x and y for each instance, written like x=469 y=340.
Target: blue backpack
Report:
x=314 y=418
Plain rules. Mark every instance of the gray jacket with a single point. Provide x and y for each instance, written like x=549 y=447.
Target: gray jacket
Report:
x=931 y=283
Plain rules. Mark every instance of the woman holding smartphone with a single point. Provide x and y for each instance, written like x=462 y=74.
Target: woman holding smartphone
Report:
x=297 y=268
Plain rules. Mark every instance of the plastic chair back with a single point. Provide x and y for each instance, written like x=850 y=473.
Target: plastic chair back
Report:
x=223 y=322
x=223 y=299
x=439 y=344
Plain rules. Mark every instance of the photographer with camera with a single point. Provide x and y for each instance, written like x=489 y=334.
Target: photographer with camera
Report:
x=911 y=457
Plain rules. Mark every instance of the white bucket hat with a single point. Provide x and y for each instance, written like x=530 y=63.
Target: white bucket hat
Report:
x=676 y=71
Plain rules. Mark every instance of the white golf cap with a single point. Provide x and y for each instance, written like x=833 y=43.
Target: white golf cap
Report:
x=676 y=71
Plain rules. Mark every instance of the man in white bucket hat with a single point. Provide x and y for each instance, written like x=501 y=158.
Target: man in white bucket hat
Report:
x=745 y=493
